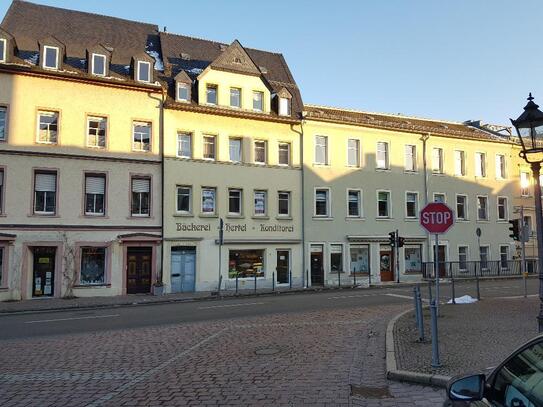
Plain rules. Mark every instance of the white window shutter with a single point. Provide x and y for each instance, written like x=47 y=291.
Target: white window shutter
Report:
x=95 y=185
x=46 y=183
x=140 y=185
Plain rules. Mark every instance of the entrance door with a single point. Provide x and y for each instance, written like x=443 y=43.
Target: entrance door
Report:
x=283 y=266
x=441 y=258
x=183 y=271
x=317 y=267
x=43 y=282
x=386 y=264
x=138 y=273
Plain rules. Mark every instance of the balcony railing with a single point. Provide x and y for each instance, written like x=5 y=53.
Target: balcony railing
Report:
x=468 y=269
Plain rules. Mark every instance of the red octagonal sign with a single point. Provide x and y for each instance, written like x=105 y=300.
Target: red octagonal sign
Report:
x=436 y=217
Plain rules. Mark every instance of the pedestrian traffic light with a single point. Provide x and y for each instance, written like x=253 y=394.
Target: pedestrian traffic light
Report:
x=392 y=239
x=401 y=241
x=515 y=229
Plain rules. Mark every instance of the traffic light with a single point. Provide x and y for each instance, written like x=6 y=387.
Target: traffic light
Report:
x=515 y=229
x=401 y=241
x=392 y=239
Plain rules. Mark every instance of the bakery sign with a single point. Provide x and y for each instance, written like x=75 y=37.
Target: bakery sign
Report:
x=235 y=227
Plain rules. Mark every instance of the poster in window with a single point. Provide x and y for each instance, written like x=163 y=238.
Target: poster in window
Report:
x=208 y=201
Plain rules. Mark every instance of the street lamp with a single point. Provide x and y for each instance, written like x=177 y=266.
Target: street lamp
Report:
x=529 y=126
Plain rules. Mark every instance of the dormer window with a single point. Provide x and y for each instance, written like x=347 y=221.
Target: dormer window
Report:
x=143 y=71
x=50 y=57
x=3 y=49
x=258 y=101
x=183 y=92
x=284 y=107
x=211 y=94
x=98 y=65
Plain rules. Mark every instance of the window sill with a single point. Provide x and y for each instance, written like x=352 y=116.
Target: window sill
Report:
x=501 y=221
x=387 y=218
x=483 y=221
x=285 y=217
x=208 y=215
x=106 y=285
x=354 y=218
x=139 y=217
x=438 y=174
x=43 y=215
x=322 y=218
x=411 y=219
x=382 y=169
x=463 y=220
x=233 y=216
x=353 y=167
x=183 y=215
x=90 y=216
x=256 y=217
x=321 y=165
x=411 y=172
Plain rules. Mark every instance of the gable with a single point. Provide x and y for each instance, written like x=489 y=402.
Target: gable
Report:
x=235 y=59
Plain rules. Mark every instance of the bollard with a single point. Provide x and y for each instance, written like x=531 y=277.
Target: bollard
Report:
x=421 y=317
x=477 y=283
x=255 y=281
x=220 y=283
x=273 y=280
x=290 y=279
x=339 y=279
x=307 y=279
x=354 y=278
x=525 y=287
x=453 y=292
x=237 y=282
x=416 y=306
x=369 y=278
x=435 y=344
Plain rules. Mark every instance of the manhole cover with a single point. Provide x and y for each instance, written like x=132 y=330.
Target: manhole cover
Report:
x=370 y=392
x=267 y=351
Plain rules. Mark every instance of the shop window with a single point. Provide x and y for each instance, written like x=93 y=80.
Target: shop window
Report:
x=360 y=258
x=413 y=259
x=93 y=266
x=246 y=263
x=336 y=258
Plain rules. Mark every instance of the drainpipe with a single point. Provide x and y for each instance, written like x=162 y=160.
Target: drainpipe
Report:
x=302 y=182
x=425 y=138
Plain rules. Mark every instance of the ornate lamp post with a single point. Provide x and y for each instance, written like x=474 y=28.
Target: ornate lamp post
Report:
x=529 y=126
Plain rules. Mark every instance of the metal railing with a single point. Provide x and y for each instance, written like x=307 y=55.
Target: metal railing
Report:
x=469 y=269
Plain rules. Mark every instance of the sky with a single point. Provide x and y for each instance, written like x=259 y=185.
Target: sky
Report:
x=449 y=60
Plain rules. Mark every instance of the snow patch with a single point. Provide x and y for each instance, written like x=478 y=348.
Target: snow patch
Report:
x=33 y=60
x=465 y=299
x=196 y=71
x=159 y=65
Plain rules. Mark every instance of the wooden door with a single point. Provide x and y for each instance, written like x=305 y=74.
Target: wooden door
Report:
x=386 y=264
x=138 y=272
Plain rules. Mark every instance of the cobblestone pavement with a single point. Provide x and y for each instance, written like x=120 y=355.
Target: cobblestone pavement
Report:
x=309 y=358
x=472 y=337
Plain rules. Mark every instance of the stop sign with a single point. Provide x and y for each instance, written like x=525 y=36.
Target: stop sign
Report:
x=436 y=217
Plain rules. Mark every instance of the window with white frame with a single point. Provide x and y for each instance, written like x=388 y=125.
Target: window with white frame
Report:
x=383 y=204
x=258 y=101
x=95 y=194
x=411 y=204
x=183 y=92
x=45 y=193
x=461 y=207
x=502 y=208
x=360 y=258
x=524 y=183
x=1 y=196
x=211 y=94
x=283 y=203
x=284 y=153
x=209 y=200
x=354 y=203
x=141 y=197
x=98 y=65
x=480 y=165
x=353 y=153
x=459 y=163
x=93 y=266
x=184 y=145
x=284 y=107
x=235 y=97
x=234 y=147
x=50 y=57
x=336 y=258
x=463 y=258
x=440 y=197
x=484 y=256
x=260 y=201
x=321 y=150
x=209 y=147
x=141 y=136
x=410 y=157
x=437 y=160
x=482 y=208
x=260 y=152
x=96 y=132
x=47 y=127
x=184 y=199
x=322 y=202
x=144 y=71
x=504 y=256
x=500 y=166
x=234 y=201
x=382 y=155
x=3 y=50
x=3 y=123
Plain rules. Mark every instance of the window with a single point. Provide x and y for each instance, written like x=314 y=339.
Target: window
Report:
x=95 y=192
x=413 y=258
x=459 y=163
x=96 y=132
x=283 y=203
x=260 y=203
x=211 y=94
x=47 y=127
x=353 y=153
x=144 y=71
x=524 y=184
x=461 y=207
x=45 y=193
x=258 y=101
x=141 y=137
x=284 y=107
x=209 y=147
x=322 y=202
x=484 y=256
x=184 y=199
x=183 y=92
x=336 y=258
x=502 y=208
x=1 y=198
x=3 y=50
x=50 y=57
x=382 y=155
x=246 y=263
x=354 y=203
x=140 y=196
x=500 y=166
x=260 y=152
x=482 y=208
x=383 y=204
x=235 y=150
x=208 y=200
x=437 y=160
x=439 y=197
x=360 y=258
x=3 y=122
x=93 y=266
x=504 y=256
x=235 y=97
x=98 y=64
x=463 y=257
x=411 y=204
x=480 y=164
x=321 y=150
x=410 y=157
x=234 y=201
x=184 y=145
x=284 y=153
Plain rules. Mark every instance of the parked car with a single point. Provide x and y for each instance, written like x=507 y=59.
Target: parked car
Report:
x=516 y=382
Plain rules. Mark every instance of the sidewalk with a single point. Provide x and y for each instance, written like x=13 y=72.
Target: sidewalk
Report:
x=472 y=338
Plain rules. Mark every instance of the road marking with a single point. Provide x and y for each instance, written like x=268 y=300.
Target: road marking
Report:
x=233 y=305
x=71 y=319
x=353 y=296
x=517 y=296
x=400 y=296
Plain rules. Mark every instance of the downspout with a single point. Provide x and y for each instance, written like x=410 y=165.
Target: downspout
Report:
x=425 y=138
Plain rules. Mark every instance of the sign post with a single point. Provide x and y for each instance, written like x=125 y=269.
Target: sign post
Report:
x=221 y=240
